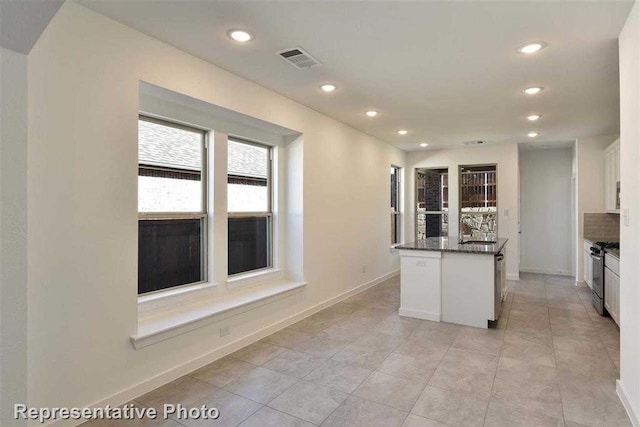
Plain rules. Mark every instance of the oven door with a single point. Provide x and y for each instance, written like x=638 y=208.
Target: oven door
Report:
x=598 y=275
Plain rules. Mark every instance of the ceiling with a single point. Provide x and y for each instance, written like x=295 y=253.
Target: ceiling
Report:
x=446 y=71
x=22 y=22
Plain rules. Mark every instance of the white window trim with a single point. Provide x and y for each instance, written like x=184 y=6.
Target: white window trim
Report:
x=174 y=311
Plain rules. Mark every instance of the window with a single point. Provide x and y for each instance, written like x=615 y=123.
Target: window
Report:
x=478 y=202
x=432 y=203
x=172 y=205
x=396 y=224
x=249 y=206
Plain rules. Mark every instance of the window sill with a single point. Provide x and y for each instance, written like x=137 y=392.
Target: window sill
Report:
x=167 y=321
x=253 y=277
x=157 y=300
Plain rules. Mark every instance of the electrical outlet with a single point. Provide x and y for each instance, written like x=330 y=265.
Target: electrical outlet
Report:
x=421 y=263
x=224 y=331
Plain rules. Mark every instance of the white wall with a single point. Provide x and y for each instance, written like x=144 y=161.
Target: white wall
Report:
x=590 y=183
x=506 y=157
x=546 y=217
x=13 y=232
x=629 y=384
x=84 y=74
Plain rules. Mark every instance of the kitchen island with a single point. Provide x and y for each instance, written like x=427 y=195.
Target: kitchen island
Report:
x=445 y=280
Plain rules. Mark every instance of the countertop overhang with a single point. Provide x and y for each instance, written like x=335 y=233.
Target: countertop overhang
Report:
x=446 y=244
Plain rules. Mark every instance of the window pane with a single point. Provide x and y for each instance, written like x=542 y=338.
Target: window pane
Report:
x=248 y=174
x=479 y=225
x=395 y=228
x=432 y=191
x=249 y=245
x=395 y=181
x=169 y=253
x=432 y=225
x=170 y=168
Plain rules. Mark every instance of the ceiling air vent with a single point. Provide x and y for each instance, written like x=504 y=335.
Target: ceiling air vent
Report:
x=298 y=58
x=474 y=142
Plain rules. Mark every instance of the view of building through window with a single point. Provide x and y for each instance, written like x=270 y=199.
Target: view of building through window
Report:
x=478 y=202
x=249 y=205
x=171 y=205
x=396 y=224
x=432 y=203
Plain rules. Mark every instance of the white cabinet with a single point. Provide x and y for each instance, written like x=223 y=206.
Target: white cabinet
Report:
x=587 y=264
x=612 y=176
x=612 y=294
x=612 y=286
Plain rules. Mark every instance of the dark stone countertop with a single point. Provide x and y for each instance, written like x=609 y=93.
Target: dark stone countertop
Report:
x=446 y=244
x=614 y=252
x=601 y=239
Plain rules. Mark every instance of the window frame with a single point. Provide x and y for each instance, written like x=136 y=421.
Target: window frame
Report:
x=397 y=232
x=267 y=214
x=203 y=215
x=460 y=211
x=425 y=212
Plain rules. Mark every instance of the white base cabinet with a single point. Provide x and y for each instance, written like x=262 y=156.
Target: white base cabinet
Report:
x=587 y=264
x=612 y=287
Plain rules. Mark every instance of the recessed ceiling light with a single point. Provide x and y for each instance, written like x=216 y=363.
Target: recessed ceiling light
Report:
x=532 y=90
x=532 y=48
x=403 y=132
x=371 y=113
x=532 y=134
x=240 y=35
x=328 y=87
x=423 y=144
x=533 y=117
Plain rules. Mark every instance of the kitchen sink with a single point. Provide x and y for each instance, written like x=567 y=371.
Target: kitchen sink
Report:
x=478 y=242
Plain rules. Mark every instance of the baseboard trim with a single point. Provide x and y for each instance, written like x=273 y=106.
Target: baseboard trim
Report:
x=513 y=276
x=176 y=372
x=543 y=271
x=419 y=314
x=622 y=394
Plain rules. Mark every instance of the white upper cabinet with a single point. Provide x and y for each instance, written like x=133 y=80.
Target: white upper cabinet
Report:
x=612 y=177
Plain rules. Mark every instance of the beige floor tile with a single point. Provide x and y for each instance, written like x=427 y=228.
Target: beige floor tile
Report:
x=532 y=277
x=294 y=363
x=258 y=353
x=343 y=332
x=338 y=375
x=223 y=371
x=528 y=347
x=184 y=390
x=582 y=346
x=431 y=353
x=433 y=335
x=528 y=387
x=356 y=412
x=261 y=385
x=379 y=341
x=159 y=421
x=287 y=338
x=321 y=346
x=308 y=401
x=531 y=325
x=591 y=403
x=450 y=408
x=466 y=372
x=233 y=410
x=391 y=391
x=414 y=420
x=364 y=357
x=412 y=368
x=268 y=417
x=397 y=326
x=482 y=340
x=587 y=366
x=501 y=415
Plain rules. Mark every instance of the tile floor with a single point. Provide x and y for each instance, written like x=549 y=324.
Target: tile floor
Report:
x=551 y=361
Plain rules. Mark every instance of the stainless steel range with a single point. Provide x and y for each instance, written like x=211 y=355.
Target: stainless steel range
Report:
x=597 y=255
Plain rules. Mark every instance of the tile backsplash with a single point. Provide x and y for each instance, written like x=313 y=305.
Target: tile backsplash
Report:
x=601 y=226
